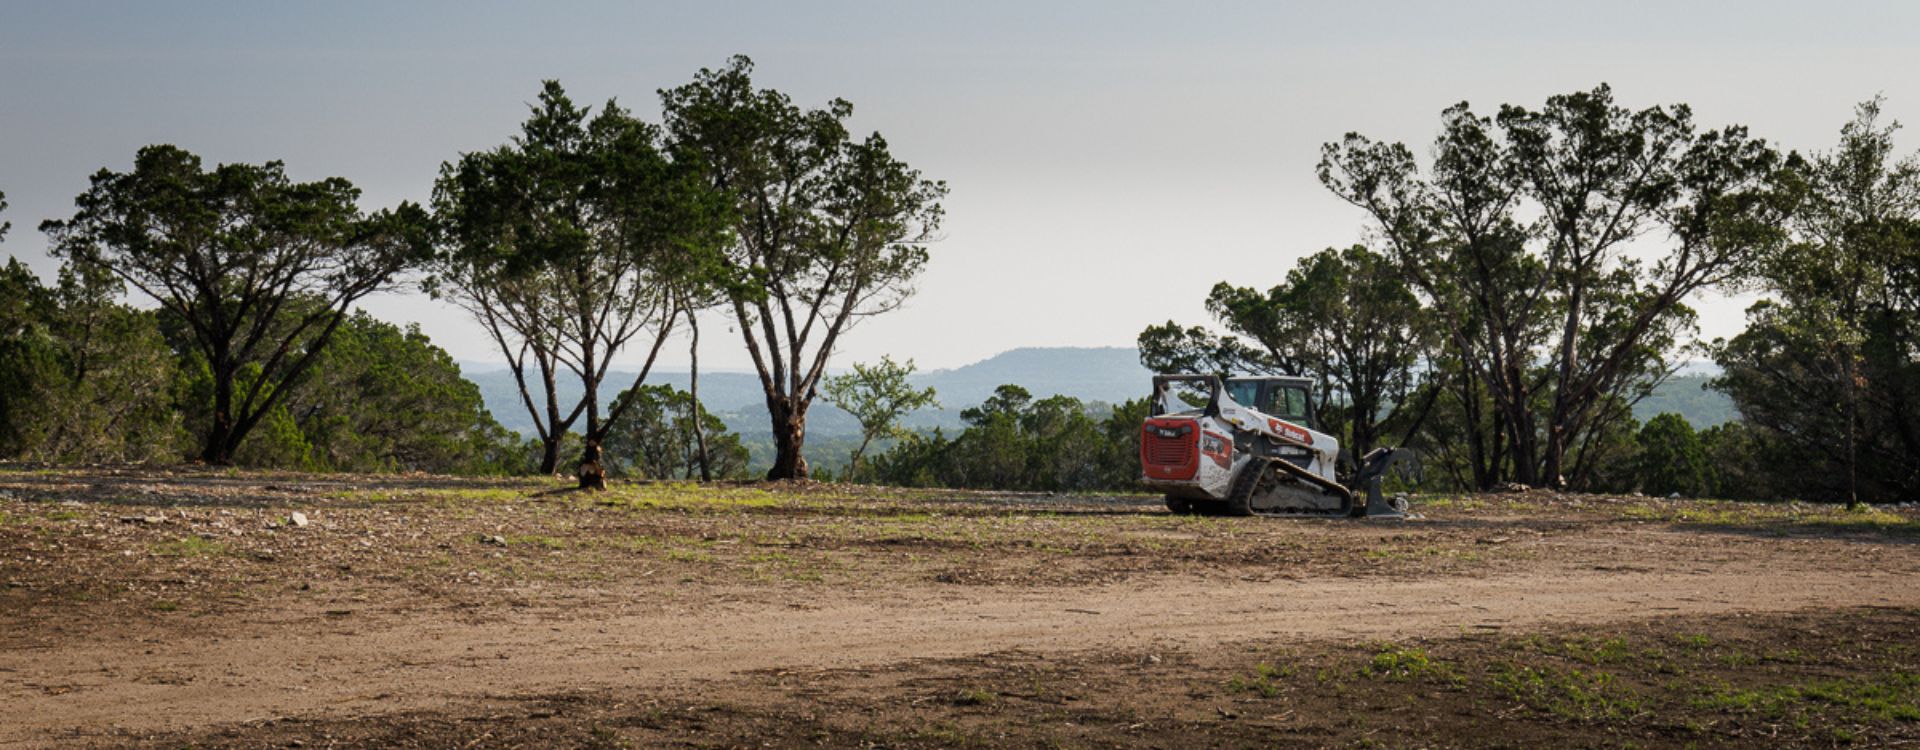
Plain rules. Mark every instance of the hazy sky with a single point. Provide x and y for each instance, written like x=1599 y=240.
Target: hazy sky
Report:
x=1109 y=161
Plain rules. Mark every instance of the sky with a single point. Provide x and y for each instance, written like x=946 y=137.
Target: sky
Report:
x=1108 y=161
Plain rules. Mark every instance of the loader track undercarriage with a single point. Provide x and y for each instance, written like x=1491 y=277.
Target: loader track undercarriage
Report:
x=1275 y=487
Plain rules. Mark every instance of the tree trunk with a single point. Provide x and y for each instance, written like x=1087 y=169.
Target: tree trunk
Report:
x=549 y=455
x=1852 y=375
x=1522 y=437
x=592 y=475
x=1476 y=442
x=693 y=391
x=218 y=449
x=789 y=436
x=1559 y=425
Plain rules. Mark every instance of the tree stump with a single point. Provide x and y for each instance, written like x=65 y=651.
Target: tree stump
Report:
x=592 y=476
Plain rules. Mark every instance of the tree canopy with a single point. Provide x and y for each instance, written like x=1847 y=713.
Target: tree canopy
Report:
x=1517 y=239
x=877 y=395
x=231 y=252
x=828 y=229
x=566 y=244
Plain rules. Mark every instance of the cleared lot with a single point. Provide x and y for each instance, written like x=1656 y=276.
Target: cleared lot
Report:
x=189 y=608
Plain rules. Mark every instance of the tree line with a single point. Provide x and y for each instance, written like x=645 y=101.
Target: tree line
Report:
x=587 y=234
x=1529 y=282
x=1519 y=290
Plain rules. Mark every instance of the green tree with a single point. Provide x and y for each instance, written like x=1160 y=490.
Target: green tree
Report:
x=568 y=243
x=384 y=398
x=1600 y=178
x=1672 y=458
x=877 y=395
x=1343 y=317
x=662 y=438
x=828 y=230
x=1348 y=319
x=82 y=377
x=1826 y=367
x=1014 y=442
x=226 y=251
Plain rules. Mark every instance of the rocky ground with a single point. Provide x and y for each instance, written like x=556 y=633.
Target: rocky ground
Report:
x=218 y=609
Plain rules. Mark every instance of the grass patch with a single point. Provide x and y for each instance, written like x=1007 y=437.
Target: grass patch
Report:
x=1569 y=694
x=681 y=554
x=976 y=697
x=1780 y=518
x=535 y=540
x=688 y=496
x=1884 y=698
x=1265 y=681
x=1402 y=664
x=191 y=546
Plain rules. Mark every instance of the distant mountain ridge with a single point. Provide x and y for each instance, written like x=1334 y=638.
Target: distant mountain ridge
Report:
x=1104 y=374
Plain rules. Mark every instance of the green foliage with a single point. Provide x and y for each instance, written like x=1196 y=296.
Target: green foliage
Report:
x=1826 y=371
x=877 y=395
x=1516 y=240
x=569 y=242
x=1265 y=681
x=1672 y=459
x=1883 y=698
x=82 y=378
x=1013 y=442
x=1396 y=663
x=1570 y=694
x=656 y=440
x=384 y=398
x=228 y=251
x=1343 y=317
x=827 y=229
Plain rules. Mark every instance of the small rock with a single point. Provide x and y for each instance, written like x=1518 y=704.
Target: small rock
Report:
x=298 y=519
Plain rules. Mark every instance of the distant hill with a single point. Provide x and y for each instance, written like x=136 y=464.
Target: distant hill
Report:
x=1689 y=397
x=1108 y=374
x=1104 y=374
x=1111 y=374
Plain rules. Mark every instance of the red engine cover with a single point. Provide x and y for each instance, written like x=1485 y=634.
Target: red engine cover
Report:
x=1170 y=448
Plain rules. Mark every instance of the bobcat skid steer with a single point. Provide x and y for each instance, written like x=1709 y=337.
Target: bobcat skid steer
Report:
x=1252 y=450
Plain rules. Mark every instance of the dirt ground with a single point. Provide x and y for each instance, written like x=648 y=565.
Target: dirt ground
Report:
x=193 y=608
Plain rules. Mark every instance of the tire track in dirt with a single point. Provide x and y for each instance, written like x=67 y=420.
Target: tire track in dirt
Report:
x=305 y=663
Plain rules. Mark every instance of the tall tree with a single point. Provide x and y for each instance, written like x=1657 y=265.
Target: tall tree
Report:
x=229 y=251
x=566 y=244
x=1557 y=308
x=1825 y=369
x=877 y=395
x=828 y=230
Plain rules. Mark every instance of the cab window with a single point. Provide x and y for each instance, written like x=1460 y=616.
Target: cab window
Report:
x=1290 y=403
x=1246 y=393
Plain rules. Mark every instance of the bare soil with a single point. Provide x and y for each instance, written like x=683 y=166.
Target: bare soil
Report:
x=170 y=608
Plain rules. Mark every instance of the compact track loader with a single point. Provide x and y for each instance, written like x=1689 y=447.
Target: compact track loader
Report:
x=1252 y=449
